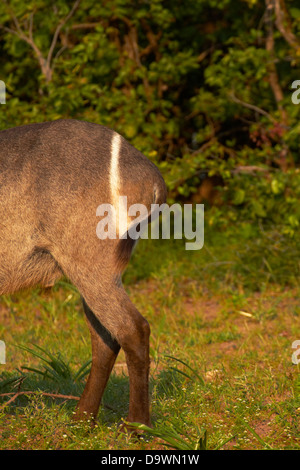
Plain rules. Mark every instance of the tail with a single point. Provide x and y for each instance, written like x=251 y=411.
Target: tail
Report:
x=127 y=243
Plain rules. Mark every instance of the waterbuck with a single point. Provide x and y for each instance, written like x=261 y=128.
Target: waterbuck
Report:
x=53 y=176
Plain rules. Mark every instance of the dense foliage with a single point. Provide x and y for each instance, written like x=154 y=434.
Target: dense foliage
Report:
x=202 y=87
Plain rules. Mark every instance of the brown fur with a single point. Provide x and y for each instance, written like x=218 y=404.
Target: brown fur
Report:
x=53 y=176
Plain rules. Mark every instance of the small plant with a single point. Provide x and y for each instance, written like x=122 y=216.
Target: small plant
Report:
x=54 y=367
x=179 y=439
x=174 y=438
x=194 y=376
x=10 y=382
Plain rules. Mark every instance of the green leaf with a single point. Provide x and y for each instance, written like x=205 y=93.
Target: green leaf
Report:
x=295 y=12
x=277 y=186
x=258 y=208
x=239 y=197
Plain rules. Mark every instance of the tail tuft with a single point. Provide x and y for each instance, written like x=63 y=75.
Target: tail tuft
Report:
x=124 y=250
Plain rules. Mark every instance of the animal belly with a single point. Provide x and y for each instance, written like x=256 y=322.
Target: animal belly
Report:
x=23 y=270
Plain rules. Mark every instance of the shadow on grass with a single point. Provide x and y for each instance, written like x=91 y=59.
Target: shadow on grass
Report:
x=17 y=389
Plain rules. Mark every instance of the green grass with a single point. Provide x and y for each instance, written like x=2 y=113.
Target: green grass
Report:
x=222 y=325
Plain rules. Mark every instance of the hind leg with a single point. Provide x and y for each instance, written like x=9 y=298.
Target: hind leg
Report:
x=131 y=331
x=104 y=353
x=134 y=339
x=127 y=328
x=94 y=274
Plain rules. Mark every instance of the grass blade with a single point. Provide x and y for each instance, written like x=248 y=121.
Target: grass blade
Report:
x=265 y=444
x=83 y=371
x=201 y=380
